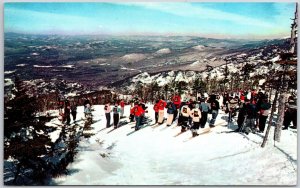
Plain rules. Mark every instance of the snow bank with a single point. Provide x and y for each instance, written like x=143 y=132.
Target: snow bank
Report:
x=156 y=156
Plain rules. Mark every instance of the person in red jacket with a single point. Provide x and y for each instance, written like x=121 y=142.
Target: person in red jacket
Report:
x=138 y=112
x=156 y=109
x=122 y=104
x=161 y=109
x=177 y=101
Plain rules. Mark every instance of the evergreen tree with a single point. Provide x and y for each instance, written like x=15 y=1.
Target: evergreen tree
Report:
x=21 y=141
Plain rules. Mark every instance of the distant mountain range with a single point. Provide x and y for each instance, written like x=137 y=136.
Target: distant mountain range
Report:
x=96 y=61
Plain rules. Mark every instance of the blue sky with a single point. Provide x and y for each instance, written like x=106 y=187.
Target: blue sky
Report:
x=219 y=20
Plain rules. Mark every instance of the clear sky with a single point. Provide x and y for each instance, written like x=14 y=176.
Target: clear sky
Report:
x=220 y=20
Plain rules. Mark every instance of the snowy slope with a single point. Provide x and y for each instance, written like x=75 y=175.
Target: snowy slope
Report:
x=153 y=156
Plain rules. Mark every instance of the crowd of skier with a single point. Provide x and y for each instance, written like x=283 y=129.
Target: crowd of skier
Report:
x=251 y=109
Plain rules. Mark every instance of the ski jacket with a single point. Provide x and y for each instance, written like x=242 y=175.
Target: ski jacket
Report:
x=196 y=115
x=233 y=103
x=171 y=108
x=204 y=107
x=107 y=109
x=250 y=110
x=74 y=108
x=162 y=104
x=185 y=111
x=132 y=110
x=214 y=105
x=116 y=110
x=67 y=110
x=176 y=100
x=264 y=109
x=87 y=109
x=138 y=110
x=242 y=97
x=122 y=104
x=156 y=107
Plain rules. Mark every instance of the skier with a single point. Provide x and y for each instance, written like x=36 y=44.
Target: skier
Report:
x=138 y=111
x=177 y=101
x=185 y=114
x=87 y=101
x=161 y=105
x=122 y=104
x=204 y=111
x=144 y=107
x=263 y=114
x=241 y=117
x=156 y=109
x=215 y=106
x=131 y=116
x=116 y=115
x=67 y=113
x=74 y=111
x=107 y=110
x=251 y=116
x=196 y=115
x=191 y=105
x=87 y=110
x=226 y=99
x=171 y=108
x=232 y=106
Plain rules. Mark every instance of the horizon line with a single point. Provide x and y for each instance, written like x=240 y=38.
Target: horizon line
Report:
x=153 y=35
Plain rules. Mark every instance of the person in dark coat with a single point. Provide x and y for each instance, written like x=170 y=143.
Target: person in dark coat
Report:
x=264 y=111
x=204 y=108
x=67 y=112
x=171 y=108
x=74 y=111
x=215 y=106
x=251 y=113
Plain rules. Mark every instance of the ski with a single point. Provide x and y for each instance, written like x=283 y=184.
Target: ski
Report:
x=180 y=133
x=142 y=127
x=202 y=133
x=155 y=126
x=164 y=128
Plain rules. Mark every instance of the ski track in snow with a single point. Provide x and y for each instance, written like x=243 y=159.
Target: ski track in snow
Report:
x=156 y=157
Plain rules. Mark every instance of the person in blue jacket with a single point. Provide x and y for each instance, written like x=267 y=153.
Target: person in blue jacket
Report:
x=171 y=108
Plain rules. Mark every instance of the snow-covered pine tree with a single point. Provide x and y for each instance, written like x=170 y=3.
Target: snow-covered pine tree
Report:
x=21 y=141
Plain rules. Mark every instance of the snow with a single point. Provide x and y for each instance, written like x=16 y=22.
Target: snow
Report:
x=67 y=66
x=35 y=54
x=8 y=82
x=42 y=66
x=199 y=47
x=134 y=57
x=153 y=156
x=103 y=64
x=163 y=51
x=21 y=65
x=195 y=63
x=9 y=72
x=275 y=59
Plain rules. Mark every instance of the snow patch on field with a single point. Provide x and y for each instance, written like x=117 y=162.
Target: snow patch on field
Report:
x=134 y=57
x=199 y=47
x=163 y=51
x=9 y=72
x=42 y=66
